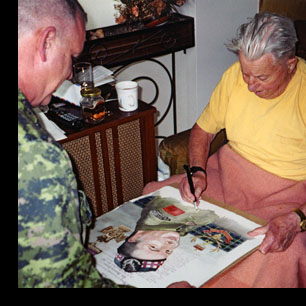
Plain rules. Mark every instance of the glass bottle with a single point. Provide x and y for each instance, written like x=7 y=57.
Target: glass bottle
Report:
x=93 y=105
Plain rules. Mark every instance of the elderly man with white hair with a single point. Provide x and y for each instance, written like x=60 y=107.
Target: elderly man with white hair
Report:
x=260 y=101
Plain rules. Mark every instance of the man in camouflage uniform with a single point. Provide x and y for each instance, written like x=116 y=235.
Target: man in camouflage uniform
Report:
x=52 y=213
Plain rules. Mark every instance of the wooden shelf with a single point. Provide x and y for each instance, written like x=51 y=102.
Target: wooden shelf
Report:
x=124 y=44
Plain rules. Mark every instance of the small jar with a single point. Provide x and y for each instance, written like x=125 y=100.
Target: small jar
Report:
x=93 y=105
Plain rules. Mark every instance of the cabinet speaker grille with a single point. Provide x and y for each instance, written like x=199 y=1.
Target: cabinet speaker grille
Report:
x=82 y=165
x=108 y=165
x=130 y=159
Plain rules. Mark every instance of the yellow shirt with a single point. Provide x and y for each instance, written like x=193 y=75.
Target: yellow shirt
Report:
x=271 y=133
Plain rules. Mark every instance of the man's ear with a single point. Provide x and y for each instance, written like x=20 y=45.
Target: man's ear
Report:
x=47 y=40
x=135 y=237
x=291 y=62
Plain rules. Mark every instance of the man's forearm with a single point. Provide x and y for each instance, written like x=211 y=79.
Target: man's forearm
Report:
x=199 y=145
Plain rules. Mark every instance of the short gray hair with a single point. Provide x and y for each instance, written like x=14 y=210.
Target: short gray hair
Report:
x=32 y=12
x=263 y=34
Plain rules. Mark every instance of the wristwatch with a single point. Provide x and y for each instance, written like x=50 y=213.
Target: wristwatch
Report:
x=303 y=219
x=196 y=169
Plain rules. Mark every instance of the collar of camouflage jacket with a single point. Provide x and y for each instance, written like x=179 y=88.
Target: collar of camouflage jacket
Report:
x=25 y=107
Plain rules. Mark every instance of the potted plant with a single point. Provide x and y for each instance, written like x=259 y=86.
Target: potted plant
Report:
x=149 y=12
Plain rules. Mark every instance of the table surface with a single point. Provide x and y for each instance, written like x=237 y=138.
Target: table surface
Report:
x=113 y=116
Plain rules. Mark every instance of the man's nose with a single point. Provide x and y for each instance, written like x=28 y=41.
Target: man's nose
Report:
x=168 y=248
x=252 y=84
x=166 y=252
x=70 y=76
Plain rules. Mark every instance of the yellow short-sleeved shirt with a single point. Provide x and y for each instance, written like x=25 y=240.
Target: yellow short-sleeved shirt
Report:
x=270 y=133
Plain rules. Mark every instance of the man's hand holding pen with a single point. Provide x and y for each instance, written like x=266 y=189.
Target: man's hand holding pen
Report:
x=193 y=185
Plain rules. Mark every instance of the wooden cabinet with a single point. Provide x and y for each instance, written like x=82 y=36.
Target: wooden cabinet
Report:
x=116 y=158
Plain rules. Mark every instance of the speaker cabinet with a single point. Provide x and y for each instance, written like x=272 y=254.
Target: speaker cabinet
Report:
x=114 y=160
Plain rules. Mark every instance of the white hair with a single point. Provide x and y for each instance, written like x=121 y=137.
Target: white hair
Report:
x=31 y=13
x=263 y=34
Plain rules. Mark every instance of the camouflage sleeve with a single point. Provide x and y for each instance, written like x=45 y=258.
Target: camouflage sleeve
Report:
x=49 y=247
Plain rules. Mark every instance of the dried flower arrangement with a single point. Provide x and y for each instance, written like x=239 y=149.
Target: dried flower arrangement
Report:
x=144 y=10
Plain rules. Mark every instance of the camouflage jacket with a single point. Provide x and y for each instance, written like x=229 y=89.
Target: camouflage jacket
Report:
x=51 y=215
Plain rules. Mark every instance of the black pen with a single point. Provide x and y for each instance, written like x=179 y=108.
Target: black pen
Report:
x=189 y=177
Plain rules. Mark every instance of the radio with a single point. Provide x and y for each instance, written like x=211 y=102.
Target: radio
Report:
x=69 y=116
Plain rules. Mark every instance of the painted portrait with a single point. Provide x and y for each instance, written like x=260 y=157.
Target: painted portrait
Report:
x=157 y=234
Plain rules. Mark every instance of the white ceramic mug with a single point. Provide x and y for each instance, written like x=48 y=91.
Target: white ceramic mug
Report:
x=127 y=93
